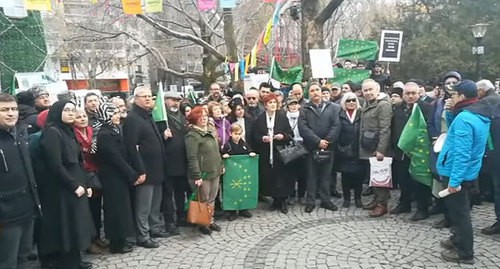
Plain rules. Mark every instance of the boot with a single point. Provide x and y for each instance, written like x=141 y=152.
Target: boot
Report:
x=347 y=194
x=378 y=211
x=357 y=196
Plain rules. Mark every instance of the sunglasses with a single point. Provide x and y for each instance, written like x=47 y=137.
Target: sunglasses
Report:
x=252 y=98
x=350 y=101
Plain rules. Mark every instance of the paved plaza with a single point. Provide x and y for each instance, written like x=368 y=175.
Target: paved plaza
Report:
x=347 y=238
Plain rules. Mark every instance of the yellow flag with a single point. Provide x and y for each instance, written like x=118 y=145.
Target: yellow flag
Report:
x=42 y=5
x=237 y=72
x=268 y=33
x=94 y=1
x=247 y=63
x=132 y=7
x=253 y=59
x=153 y=6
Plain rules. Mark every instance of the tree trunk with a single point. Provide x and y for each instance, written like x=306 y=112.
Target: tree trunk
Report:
x=314 y=17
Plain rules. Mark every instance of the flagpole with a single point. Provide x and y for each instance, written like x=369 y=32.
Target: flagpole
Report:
x=272 y=69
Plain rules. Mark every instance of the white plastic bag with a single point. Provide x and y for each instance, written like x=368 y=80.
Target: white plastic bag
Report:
x=381 y=172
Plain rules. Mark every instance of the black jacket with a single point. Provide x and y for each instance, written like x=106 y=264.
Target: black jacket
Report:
x=315 y=126
x=175 y=146
x=254 y=112
x=144 y=146
x=492 y=99
x=240 y=148
x=347 y=148
x=18 y=194
x=399 y=119
x=28 y=116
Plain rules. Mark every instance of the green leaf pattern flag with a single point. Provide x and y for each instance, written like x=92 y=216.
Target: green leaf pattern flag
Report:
x=342 y=75
x=354 y=49
x=241 y=182
x=159 y=112
x=289 y=76
x=415 y=143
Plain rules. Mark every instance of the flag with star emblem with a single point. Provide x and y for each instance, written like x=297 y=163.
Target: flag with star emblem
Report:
x=159 y=112
x=241 y=182
x=415 y=143
x=354 y=49
x=289 y=76
x=342 y=75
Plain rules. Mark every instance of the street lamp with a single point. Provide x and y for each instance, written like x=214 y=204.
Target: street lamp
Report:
x=478 y=30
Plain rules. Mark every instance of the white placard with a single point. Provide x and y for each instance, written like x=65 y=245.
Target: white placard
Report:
x=321 y=63
x=390 y=46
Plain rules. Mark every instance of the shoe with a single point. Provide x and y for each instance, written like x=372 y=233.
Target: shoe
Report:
x=94 y=249
x=378 y=211
x=400 y=209
x=358 y=203
x=346 y=204
x=493 y=229
x=370 y=206
x=284 y=207
x=328 y=206
x=336 y=194
x=232 y=216
x=123 y=250
x=148 y=244
x=291 y=201
x=435 y=210
x=264 y=199
x=309 y=208
x=419 y=215
x=85 y=265
x=273 y=206
x=205 y=230
x=367 y=192
x=441 y=224
x=102 y=243
x=159 y=234
x=447 y=244
x=245 y=214
x=214 y=227
x=452 y=256
x=171 y=229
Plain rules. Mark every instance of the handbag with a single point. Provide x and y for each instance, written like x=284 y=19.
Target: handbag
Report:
x=93 y=181
x=321 y=156
x=369 y=140
x=199 y=213
x=292 y=152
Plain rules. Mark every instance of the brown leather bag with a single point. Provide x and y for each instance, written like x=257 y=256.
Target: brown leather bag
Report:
x=199 y=212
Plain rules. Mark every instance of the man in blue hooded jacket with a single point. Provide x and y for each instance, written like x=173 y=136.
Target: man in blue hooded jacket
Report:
x=459 y=163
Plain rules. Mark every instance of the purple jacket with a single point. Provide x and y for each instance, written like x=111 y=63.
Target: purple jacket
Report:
x=223 y=130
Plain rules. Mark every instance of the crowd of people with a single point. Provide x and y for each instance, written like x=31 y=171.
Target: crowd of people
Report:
x=62 y=165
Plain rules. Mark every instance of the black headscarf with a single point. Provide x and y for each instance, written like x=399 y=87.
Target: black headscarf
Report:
x=54 y=117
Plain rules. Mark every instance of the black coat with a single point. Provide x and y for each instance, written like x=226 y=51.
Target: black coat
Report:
x=315 y=126
x=144 y=146
x=116 y=176
x=347 y=148
x=399 y=119
x=175 y=146
x=18 y=190
x=66 y=223
x=248 y=127
x=273 y=180
x=28 y=116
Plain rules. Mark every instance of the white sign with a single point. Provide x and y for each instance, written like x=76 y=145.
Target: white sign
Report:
x=390 y=46
x=173 y=88
x=321 y=63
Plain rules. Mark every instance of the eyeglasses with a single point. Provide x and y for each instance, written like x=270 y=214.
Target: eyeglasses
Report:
x=350 y=101
x=6 y=109
x=145 y=96
x=215 y=89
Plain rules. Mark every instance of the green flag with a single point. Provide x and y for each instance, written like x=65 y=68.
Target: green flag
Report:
x=290 y=76
x=159 y=112
x=241 y=182
x=357 y=49
x=415 y=143
x=12 y=90
x=192 y=97
x=342 y=75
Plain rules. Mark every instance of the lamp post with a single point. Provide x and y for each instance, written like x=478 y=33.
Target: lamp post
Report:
x=478 y=30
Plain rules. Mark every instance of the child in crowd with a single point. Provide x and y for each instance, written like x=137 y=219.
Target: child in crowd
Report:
x=236 y=146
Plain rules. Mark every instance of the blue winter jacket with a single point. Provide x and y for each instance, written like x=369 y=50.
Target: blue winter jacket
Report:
x=462 y=154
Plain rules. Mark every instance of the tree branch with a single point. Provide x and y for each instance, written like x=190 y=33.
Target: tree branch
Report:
x=183 y=36
x=327 y=12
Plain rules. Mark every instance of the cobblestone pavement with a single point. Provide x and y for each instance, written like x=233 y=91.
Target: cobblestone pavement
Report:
x=347 y=238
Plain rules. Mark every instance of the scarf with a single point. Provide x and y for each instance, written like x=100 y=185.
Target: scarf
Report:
x=270 y=132
x=85 y=140
x=351 y=114
x=293 y=119
x=460 y=105
x=104 y=114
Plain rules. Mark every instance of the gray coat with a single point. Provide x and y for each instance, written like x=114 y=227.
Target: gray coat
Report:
x=377 y=116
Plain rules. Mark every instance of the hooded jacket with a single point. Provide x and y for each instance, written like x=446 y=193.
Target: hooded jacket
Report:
x=462 y=154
